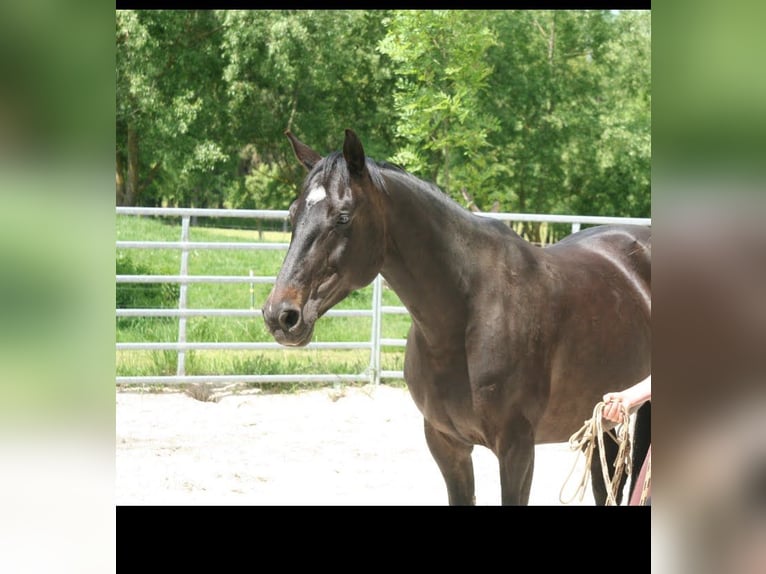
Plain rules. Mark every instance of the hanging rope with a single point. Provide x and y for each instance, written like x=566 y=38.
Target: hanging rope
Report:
x=647 y=481
x=584 y=442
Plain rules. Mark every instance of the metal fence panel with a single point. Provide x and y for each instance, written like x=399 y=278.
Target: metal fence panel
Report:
x=375 y=343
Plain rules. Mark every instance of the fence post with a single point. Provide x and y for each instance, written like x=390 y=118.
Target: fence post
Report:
x=181 y=368
x=252 y=292
x=376 y=329
x=575 y=227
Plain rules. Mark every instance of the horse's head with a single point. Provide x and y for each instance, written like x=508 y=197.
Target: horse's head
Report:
x=337 y=243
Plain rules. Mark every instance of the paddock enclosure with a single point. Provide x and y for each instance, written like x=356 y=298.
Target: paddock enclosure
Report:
x=358 y=444
x=183 y=312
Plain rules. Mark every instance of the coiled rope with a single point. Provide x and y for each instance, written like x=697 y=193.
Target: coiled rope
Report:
x=584 y=442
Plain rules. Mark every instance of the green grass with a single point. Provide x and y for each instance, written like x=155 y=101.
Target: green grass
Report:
x=237 y=296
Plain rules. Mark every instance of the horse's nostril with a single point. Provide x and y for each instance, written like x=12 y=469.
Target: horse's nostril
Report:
x=288 y=319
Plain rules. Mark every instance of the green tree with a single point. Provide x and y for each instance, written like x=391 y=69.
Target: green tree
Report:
x=170 y=135
x=532 y=111
x=563 y=103
x=439 y=60
x=313 y=72
x=621 y=185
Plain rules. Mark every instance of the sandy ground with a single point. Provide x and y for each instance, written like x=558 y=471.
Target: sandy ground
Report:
x=347 y=446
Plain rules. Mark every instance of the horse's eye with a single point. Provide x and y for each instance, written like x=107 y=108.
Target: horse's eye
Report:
x=343 y=219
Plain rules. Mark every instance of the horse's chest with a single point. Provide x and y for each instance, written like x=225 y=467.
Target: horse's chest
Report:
x=451 y=414
x=440 y=387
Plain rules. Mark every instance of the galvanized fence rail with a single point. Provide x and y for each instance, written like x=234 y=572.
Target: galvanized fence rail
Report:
x=376 y=342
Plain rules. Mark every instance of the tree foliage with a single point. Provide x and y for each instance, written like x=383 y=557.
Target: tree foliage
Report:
x=528 y=111
x=172 y=142
x=439 y=61
x=313 y=72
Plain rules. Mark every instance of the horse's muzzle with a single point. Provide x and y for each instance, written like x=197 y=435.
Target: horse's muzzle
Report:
x=285 y=322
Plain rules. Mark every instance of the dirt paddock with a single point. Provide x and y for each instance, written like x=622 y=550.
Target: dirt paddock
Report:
x=345 y=446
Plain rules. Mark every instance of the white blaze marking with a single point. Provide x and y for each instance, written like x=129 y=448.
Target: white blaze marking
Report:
x=316 y=195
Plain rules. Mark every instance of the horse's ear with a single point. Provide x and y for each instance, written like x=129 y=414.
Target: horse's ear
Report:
x=353 y=152
x=307 y=156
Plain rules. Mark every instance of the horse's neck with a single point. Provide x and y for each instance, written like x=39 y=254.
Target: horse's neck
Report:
x=428 y=259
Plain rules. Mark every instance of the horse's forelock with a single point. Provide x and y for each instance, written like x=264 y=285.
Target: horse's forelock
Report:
x=334 y=166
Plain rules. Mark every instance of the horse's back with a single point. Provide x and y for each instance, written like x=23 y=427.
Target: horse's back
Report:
x=627 y=247
x=620 y=238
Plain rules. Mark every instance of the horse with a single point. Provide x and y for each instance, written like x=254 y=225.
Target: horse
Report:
x=510 y=345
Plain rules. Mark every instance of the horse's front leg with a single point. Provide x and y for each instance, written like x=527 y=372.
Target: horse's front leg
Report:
x=516 y=455
x=454 y=460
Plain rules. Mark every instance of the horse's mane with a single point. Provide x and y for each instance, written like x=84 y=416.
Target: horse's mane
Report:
x=334 y=166
x=413 y=181
x=437 y=196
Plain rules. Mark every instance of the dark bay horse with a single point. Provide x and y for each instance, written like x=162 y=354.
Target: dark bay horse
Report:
x=511 y=345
